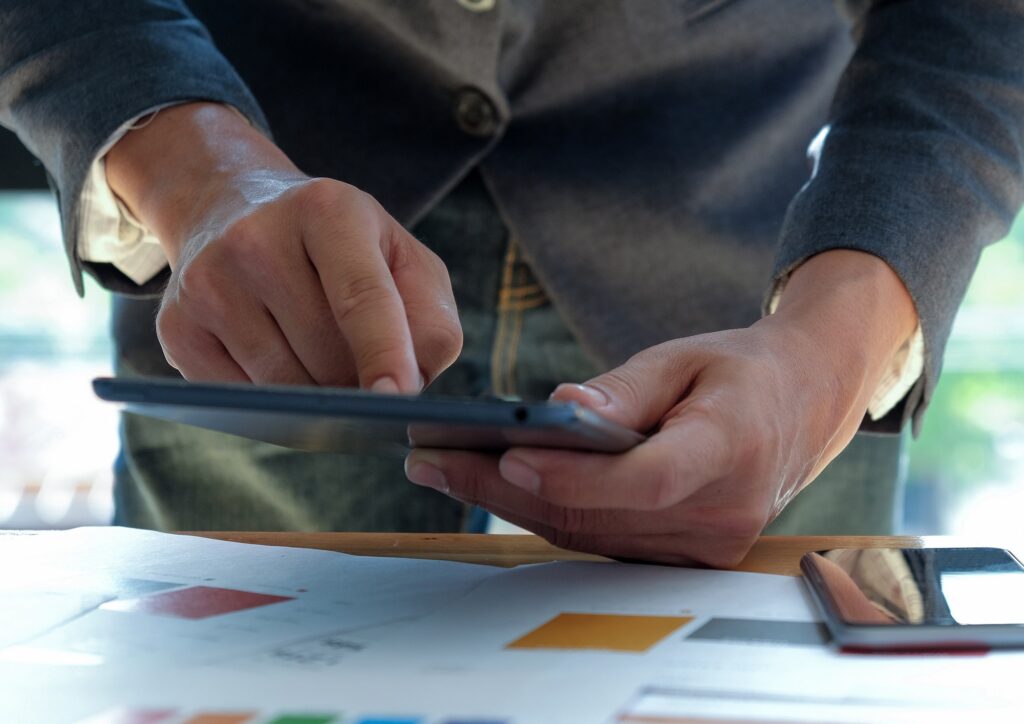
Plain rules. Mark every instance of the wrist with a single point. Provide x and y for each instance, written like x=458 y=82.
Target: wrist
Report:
x=187 y=160
x=854 y=311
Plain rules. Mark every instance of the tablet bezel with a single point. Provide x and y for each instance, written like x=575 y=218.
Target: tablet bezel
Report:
x=320 y=419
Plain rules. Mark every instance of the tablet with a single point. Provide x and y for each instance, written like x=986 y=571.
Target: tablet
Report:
x=327 y=419
x=919 y=599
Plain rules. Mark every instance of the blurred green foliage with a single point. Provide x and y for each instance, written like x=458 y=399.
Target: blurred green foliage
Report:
x=973 y=418
x=999 y=280
x=973 y=432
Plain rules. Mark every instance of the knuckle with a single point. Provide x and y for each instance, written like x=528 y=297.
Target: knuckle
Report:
x=194 y=280
x=440 y=344
x=242 y=236
x=249 y=246
x=627 y=386
x=431 y=257
x=205 y=296
x=168 y=321
x=170 y=331
x=399 y=248
x=320 y=196
x=360 y=294
x=704 y=409
x=432 y=261
x=208 y=302
x=202 y=291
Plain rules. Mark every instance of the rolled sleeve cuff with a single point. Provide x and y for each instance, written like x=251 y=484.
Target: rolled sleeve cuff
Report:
x=108 y=232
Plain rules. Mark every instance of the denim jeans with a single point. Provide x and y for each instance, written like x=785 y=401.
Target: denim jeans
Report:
x=175 y=477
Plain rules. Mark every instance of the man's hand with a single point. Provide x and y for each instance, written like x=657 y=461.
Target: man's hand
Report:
x=742 y=421
x=278 y=277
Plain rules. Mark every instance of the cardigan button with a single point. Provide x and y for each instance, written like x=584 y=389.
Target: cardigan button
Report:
x=475 y=113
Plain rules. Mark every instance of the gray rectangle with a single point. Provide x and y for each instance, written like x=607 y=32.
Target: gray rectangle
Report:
x=761 y=631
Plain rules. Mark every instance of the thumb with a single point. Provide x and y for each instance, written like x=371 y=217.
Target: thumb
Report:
x=638 y=393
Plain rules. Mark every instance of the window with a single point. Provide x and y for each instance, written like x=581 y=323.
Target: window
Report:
x=57 y=441
x=967 y=468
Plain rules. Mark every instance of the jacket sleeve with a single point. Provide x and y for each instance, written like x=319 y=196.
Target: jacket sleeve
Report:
x=71 y=73
x=922 y=161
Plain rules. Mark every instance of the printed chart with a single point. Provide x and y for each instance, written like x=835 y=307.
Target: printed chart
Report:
x=136 y=627
x=121 y=715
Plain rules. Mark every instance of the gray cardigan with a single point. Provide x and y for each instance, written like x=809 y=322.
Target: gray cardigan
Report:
x=649 y=157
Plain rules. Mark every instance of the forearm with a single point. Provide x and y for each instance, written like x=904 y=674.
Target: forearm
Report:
x=843 y=315
x=168 y=171
x=923 y=162
x=70 y=78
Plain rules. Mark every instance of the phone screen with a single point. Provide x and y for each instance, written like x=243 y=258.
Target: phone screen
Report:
x=920 y=587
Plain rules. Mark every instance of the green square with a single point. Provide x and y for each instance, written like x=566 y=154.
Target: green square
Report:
x=304 y=719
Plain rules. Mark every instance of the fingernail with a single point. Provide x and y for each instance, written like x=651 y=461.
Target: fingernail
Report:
x=426 y=475
x=595 y=396
x=385 y=385
x=519 y=473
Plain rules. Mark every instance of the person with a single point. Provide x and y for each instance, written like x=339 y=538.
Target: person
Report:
x=343 y=192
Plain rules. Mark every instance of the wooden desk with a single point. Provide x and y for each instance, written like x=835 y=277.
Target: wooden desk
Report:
x=771 y=554
x=778 y=554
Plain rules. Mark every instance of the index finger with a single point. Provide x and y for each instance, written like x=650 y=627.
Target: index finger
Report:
x=366 y=305
x=666 y=469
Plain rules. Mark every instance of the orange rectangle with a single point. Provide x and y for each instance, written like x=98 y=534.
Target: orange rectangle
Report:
x=610 y=632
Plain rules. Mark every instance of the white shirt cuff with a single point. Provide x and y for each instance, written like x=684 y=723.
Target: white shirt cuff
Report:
x=108 y=232
x=904 y=370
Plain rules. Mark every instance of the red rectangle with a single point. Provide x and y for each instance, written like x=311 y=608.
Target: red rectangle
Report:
x=196 y=602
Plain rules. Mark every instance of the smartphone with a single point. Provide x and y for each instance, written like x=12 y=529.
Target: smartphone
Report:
x=905 y=599
x=323 y=419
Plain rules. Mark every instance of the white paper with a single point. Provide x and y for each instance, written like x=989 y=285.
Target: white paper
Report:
x=329 y=593
x=427 y=641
